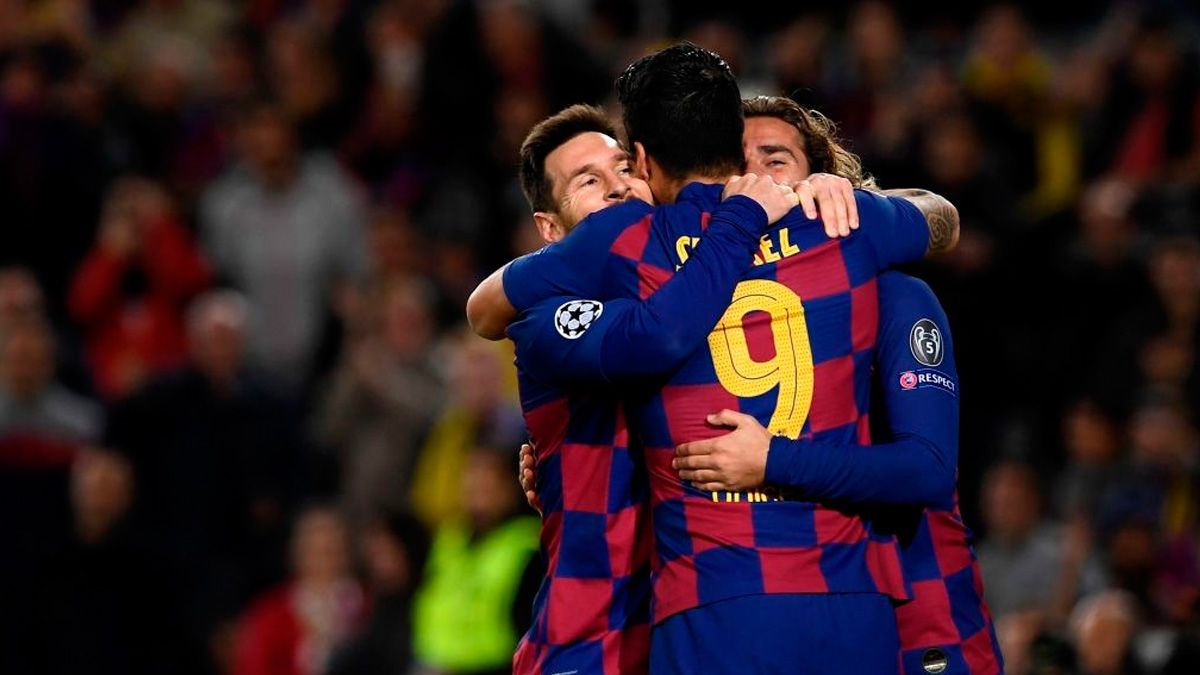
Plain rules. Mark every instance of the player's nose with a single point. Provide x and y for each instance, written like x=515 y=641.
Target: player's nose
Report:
x=618 y=190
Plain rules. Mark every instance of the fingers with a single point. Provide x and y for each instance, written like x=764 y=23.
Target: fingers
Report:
x=838 y=201
x=527 y=481
x=692 y=462
x=700 y=476
x=851 y=204
x=726 y=418
x=807 y=198
x=695 y=448
x=789 y=196
x=714 y=487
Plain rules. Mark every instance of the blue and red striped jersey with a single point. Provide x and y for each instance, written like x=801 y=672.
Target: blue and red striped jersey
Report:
x=793 y=349
x=592 y=613
x=914 y=465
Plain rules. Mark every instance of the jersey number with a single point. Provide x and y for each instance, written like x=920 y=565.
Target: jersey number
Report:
x=790 y=369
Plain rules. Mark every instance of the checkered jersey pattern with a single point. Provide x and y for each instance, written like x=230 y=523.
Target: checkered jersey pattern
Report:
x=947 y=613
x=710 y=547
x=591 y=615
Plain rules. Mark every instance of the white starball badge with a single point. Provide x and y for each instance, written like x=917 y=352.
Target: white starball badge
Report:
x=572 y=319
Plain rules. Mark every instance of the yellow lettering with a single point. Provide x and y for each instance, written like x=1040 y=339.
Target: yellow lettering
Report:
x=768 y=255
x=786 y=247
x=790 y=370
x=684 y=246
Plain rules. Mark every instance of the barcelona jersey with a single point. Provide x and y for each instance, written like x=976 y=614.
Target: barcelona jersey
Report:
x=793 y=348
x=592 y=612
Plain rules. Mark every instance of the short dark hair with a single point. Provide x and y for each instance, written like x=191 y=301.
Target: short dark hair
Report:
x=545 y=137
x=683 y=105
x=821 y=145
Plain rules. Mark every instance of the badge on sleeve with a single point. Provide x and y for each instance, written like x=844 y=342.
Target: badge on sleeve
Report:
x=572 y=319
x=925 y=342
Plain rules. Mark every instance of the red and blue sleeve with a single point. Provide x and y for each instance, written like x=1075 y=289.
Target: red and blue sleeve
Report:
x=576 y=265
x=577 y=339
x=920 y=390
x=895 y=227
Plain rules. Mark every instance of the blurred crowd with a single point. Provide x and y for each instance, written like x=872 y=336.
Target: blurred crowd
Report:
x=242 y=426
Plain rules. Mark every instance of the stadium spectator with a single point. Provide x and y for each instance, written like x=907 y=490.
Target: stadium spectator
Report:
x=382 y=399
x=103 y=604
x=295 y=628
x=40 y=421
x=1022 y=552
x=132 y=289
x=479 y=405
x=218 y=457
x=286 y=227
x=393 y=549
x=482 y=574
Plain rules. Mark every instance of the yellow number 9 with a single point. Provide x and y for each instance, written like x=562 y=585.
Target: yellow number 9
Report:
x=791 y=369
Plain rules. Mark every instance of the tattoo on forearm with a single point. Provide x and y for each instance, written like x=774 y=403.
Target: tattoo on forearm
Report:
x=940 y=215
x=943 y=221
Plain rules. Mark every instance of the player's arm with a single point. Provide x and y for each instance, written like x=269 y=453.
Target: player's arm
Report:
x=569 y=340
x=572 y=267
x=940 y=215
x=488 y=310
x=916 y=467
x=903 y=228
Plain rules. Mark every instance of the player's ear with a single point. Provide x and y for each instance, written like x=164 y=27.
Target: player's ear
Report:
x=641 y=166
x=549 y=226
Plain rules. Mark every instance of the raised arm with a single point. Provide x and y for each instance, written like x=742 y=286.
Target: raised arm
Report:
x=569 y=340
x=917 y=466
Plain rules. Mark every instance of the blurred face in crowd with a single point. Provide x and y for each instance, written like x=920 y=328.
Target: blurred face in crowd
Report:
x=1175 y=270
x=320 y=548
x=268 y=145
x=20 y=296
x=775 y=148
x=489 y=493
x=952 y=150
x=407 y=324
x=1160 y=436
x=1104 y=219
x=385 y=558
x=216 y=335
x=1089 y=436
x=1010 y=502
x=477 y=376
x=26 y=359
x=587 y=173
x=394 y=244
x=101 y=492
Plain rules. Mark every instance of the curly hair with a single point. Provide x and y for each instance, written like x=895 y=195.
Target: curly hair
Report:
x=821 y=145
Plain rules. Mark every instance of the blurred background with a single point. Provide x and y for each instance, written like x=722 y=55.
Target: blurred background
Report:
x=243 y=429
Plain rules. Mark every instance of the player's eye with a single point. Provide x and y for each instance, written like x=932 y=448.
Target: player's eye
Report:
x=624 y=170
x=776 y=162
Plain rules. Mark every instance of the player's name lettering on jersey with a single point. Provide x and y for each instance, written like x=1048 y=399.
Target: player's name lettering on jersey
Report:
x=767 y=494
x=771 y=248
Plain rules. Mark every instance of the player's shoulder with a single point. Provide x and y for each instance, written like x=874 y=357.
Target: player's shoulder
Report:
x=898 y=286
x=876 y=203
x=905 y=300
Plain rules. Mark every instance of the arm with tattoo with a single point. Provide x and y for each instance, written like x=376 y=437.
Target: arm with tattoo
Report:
x=940 y=214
